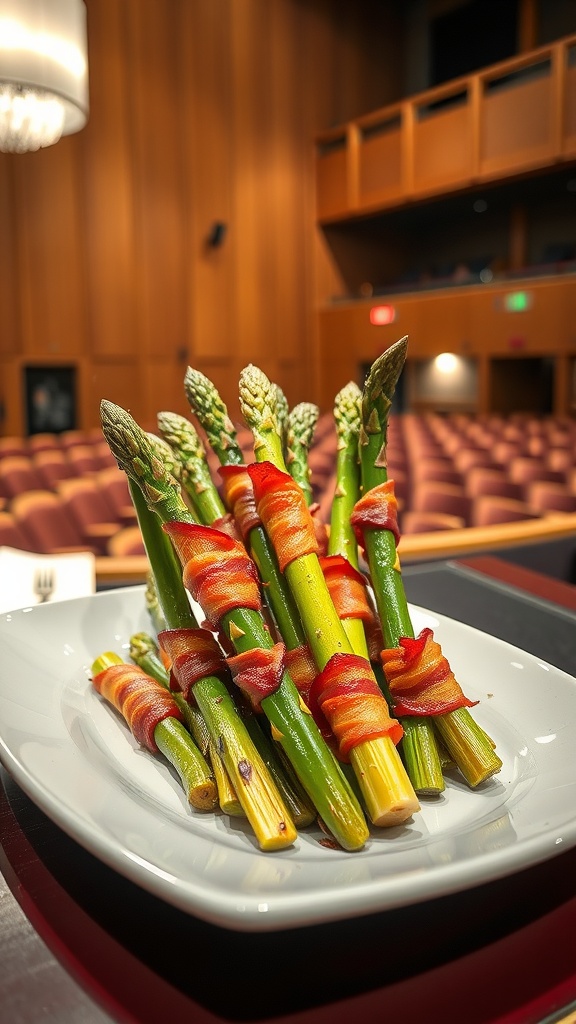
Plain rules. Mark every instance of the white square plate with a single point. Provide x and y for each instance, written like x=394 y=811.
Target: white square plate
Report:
x=72 y=755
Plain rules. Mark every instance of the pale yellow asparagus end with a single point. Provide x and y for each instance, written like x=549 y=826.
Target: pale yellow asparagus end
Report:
x=388 y=793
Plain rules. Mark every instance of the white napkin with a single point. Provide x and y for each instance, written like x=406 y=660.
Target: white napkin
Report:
x=74 y=576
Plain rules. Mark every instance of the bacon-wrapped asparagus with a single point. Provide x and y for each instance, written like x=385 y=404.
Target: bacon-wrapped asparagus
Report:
x=155 y=720
x=388 y=793
x=408 y=665
x=150 y=483
x=242 y=623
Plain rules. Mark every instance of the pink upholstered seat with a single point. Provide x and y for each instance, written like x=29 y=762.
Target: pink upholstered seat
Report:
x=47 y=523
x=426 y=522
x=17 y=475
x=489 y=509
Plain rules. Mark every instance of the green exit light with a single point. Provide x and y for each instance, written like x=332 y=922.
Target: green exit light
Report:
x=517 y=302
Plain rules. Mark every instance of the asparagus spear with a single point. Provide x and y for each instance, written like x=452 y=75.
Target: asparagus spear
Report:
x=152 y=486
x=342 y=540
x=302 y=420
x=313 y=762
x=387 y=791
x=212 y=413
x=144 y=652
x=176 y=744
x=186 y=446
x=282 y=415
x=466 y=742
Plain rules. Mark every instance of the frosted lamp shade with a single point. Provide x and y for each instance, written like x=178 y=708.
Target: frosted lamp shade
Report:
x=43 y=72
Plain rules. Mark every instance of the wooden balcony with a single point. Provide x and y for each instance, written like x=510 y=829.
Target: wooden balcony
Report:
x=510 y=119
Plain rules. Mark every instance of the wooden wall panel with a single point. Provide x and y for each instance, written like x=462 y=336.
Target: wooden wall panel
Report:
x=509 y=139
x=209 y=169
x=9 y=327
x=153 y=75
x=118 y=382
x=201 y=111
x=50 y=249
x=107 y=191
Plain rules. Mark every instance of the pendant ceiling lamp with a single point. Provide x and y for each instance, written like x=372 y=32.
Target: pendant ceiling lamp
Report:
x=43 y=72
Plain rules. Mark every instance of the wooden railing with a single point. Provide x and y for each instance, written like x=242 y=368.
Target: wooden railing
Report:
x=511 y=118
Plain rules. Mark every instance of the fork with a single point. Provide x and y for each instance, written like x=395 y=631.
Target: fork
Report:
x=43 y=584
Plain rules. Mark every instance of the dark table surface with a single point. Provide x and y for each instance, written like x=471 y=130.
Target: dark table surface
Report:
x=80 y=943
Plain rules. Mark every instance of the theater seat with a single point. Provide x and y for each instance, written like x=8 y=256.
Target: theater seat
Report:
x=489 y=509
x=45 y=520
x=425 y=522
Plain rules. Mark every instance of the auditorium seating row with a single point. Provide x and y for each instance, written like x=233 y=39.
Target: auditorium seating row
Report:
x=455 y=471
x=64 y=492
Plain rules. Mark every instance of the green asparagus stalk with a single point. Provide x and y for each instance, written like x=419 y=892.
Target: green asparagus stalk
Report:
x=186 y=446
x=385 y=787
x=282 y=415
x=466 y=742
x=179 y=749
x=342 y=539
x=144 y=652
x=207 y=405
x=302 y=420
x=154 y=488
x=152 y=603
x=188 y=449
x=311 y=759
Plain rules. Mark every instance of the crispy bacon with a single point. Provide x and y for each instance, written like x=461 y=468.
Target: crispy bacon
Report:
x=347 y=588
x=239 y=498
x=376 y=510
x=284 y=513
x=258 y=672
x=227 y=524
x=347 y=695
x=302 y=668
x=216 y=569
x=140 y=699
x=420 y=679
x=193 y=654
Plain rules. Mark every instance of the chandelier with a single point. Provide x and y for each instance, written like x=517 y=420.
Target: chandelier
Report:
x=43 y=72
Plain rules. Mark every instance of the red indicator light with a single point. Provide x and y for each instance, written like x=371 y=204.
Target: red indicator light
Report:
x=382 y=315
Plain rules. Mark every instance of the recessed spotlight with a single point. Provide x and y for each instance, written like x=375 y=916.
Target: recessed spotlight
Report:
x=446 y=362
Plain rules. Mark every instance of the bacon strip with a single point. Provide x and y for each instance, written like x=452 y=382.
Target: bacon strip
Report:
x=227 y=524
x=239 y=498
x=376 y=510
x=284 y=513
x=420 y=679
x=194 y=654
x=302 y=668
x=348 y=696
x=217 y=571
x=258 y=672
x=347 y=588
x=140 y=699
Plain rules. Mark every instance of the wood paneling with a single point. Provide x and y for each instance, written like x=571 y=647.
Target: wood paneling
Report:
x=50 y=245
x=202 y=111
x=9 y=326
x=107 y=193
x=443 y=146
x=208 y=155
x=517 y=130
